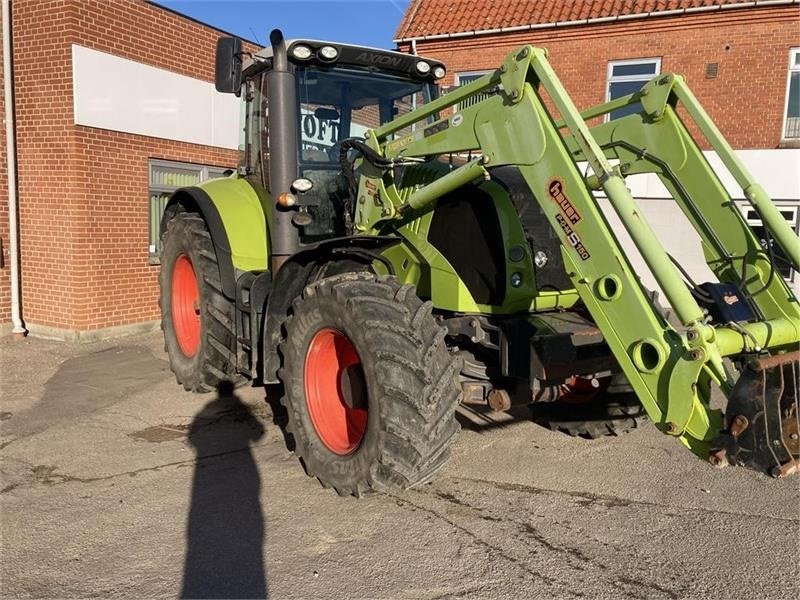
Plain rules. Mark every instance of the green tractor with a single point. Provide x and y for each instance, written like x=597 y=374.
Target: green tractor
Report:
x=385 y=252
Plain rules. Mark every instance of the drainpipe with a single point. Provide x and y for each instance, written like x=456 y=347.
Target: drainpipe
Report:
x=11 y=156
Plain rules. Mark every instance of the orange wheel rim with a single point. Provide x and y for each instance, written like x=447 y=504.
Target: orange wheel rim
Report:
x=186 y=306
x=336 y=392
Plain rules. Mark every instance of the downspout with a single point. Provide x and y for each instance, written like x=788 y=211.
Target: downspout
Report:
x=11 y=157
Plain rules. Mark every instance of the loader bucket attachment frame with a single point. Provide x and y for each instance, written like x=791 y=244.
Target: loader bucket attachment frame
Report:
x=763 y=418
x=671 y=369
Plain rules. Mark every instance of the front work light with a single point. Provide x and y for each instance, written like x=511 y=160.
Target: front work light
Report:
x=302 y=185
x=328 y=52
x=423 y=67
x=301 y=52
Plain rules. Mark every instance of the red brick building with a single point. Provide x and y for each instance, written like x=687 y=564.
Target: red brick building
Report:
x=114 y=107
x=741 y=58
x=113 y=102
x=734 y=53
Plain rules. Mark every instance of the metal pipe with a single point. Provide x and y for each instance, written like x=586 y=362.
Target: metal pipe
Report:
x=444 y=185
x=775 y=333
x=11 y=168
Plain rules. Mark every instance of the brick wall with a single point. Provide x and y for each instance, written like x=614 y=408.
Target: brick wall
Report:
x=84 y=191
x=751 y=46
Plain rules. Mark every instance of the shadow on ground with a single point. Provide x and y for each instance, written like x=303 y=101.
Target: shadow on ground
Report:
x=225 y=531
x=89 y=383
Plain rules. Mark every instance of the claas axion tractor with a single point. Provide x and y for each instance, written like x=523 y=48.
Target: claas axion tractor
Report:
x=385 y=252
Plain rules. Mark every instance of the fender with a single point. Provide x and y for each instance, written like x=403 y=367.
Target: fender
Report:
x=236 y=219
x=301 y=269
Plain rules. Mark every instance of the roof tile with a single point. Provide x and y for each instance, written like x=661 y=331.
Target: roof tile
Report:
x=436 y=17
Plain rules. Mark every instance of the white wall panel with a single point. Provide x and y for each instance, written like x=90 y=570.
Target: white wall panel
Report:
x=123 y=95
x=777 y=170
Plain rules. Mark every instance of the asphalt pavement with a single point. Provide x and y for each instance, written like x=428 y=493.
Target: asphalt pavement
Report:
x=116 y=483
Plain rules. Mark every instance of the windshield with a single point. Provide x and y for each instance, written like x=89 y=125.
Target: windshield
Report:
x=341 y=103
x=336 y=104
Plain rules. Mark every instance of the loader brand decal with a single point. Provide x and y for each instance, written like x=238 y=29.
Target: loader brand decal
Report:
x=555 y=189
x=573 y=238
x=398 y=145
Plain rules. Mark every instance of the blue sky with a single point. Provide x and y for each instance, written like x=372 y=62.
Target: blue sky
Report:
x=364 y=22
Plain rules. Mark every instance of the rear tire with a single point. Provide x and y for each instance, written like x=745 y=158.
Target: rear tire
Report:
x=197 y=319
x=370 y=386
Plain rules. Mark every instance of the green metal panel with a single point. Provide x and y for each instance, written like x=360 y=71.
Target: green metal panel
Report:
x=242 y=211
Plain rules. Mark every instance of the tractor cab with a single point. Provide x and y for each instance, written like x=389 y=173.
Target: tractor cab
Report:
x=302 y=98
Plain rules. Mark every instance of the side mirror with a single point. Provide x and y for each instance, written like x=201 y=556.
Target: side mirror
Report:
x=228 y=67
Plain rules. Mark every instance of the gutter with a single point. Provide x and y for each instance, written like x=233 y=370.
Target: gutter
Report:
x=11 y=157
x=597 y=20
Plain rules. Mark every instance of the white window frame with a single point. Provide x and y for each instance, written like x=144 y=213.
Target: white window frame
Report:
x=792 y=68
x=793 y=221
x=475 y=74
x=205 y=172
x=611 y=78
x=457 y=83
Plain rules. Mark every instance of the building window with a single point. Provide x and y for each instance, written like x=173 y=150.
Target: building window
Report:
x=754 y=220
x=791 y=127
x=464 y=79
x=628 y=76
x=165 y=177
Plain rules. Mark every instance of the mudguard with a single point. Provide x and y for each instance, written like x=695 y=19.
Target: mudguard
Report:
x=298 y=271
x=237 y=220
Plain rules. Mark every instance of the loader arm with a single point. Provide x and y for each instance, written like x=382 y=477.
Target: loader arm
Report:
x=671 y=369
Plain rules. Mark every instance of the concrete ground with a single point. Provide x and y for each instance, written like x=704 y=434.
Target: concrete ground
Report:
x=116 y=483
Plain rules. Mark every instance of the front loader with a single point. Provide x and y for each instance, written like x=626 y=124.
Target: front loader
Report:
x=385 y=252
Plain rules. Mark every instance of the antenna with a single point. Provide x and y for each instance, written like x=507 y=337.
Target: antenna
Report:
x=255 y=37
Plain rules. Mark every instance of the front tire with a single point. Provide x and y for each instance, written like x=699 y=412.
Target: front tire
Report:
x=370 y=386
x=197 y=319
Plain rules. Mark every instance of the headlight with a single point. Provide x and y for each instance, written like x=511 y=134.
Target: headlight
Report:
x=301 y=52
x=328 y=52
x=438 y=72
x=302 y=185
x=423 y=67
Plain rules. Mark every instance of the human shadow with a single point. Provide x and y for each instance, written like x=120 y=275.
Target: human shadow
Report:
x=225 y=531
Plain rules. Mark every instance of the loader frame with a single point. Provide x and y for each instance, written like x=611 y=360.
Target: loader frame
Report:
x=671 y=368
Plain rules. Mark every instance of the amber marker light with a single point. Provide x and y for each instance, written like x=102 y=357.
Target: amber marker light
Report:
x=286 y=200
